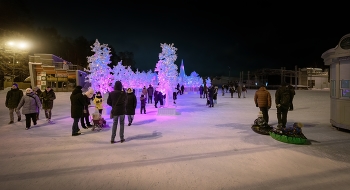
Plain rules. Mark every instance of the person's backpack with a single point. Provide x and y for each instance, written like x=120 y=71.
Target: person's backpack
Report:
x=285 y=97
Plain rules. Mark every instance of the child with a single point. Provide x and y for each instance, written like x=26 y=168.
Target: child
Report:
x=98 y=102
x=143 y=104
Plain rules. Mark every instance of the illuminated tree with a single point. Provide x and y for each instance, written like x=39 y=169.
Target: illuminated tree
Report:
x=99 y=73
x=167 y=70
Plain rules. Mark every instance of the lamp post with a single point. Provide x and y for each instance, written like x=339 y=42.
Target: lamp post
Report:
x=15 y=46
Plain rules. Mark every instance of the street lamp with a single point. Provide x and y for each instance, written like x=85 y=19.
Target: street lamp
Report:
x=15 y=47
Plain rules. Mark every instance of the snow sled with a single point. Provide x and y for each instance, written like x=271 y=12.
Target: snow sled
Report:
x=262 y=129
x=292 y=135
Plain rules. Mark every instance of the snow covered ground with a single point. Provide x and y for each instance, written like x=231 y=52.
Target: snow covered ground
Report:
x=202 y=148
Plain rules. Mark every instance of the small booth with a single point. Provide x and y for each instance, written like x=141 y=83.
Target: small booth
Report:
x=338 y=59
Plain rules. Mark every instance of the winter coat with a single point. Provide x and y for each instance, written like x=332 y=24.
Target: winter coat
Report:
x=143 y=101
x=131 y=103
x=117 y=100
x=150 y=91
x=283 y=96
x=262 y=98
x=215 y=95
x=211 y=92
x=13 y=97
x=30 y=103
x=144 y=91
x=201 y=89
x=98 y=102
x=77 y=103
x=47 y=98
x=155 y=95
x=87 y=102
x=38 y=92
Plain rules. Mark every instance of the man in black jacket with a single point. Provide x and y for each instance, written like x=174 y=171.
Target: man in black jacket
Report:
x=117 y=100
x=13 y=97
x=77 y=108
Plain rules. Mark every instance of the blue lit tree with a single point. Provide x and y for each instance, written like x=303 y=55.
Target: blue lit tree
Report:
x=167 y=70
x=99 y=73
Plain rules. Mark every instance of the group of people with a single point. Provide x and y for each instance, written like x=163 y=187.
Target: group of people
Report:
x=30 y=102
x=283 y=99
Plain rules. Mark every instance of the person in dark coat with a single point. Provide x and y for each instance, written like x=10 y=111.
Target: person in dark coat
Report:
x=174 y=97
x=131 y=103
x=182 y=89
x=117 y=100
x=143 y=104
x=48 y=96
x=150 y=91
x=291 y=88
x=201 y=89
x=38 y=92
x=77 y=108
x=160 y=98
x=13 y=97
x=31 y=104
x=155 y=98
x=282 y=100
x=211 y=96
x=87 y=101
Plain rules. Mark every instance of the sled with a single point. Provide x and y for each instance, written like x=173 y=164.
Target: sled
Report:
x=292 y=139
x=263 y=130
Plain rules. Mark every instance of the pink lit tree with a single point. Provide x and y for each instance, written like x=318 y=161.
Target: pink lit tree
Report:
x=99 y=73
x=167 y=70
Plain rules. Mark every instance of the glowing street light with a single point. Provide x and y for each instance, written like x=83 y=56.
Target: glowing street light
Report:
x=16 y=47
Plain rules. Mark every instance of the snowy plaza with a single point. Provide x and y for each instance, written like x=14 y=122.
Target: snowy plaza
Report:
x=200 y=148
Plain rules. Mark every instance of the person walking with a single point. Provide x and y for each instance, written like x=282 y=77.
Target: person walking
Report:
x=239 y=90
x=232 y=90
x=48 y=96
x=211 y=96
x=174 y=97
x=77 y=108
x=144 y=92
x=131 y=103
x=38 y=92
x=85 y=119
x=262 y=100
x=291 y=88
x=182 y=89
x=156 y=98
x=244 y=91
x=13 y=97
x=282 y=99
x=31 y=105
x=215 y=96
x=160 y=98
x=143 y=104
x=98 y=102
x=201 y=90
x=150 y=91
x=117 y=100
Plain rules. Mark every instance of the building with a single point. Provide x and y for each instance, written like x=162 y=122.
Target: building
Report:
x=51 y=70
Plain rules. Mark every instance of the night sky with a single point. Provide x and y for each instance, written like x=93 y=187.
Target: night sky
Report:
x=211 y=37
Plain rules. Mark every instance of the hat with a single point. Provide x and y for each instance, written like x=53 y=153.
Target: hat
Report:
x=48 y=87
x=283 y=83
x=260 y=114
x=129 y=90
x=29 y=90
x=298 y=124
x=15 y=84
x=79 y=87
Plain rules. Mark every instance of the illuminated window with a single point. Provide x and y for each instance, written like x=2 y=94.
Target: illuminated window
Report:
x=345 y=88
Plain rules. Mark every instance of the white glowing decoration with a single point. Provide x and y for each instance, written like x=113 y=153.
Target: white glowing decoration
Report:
x=98 y=70
x=167 y=70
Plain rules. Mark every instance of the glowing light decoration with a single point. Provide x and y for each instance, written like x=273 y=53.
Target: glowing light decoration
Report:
x=119 y=73
x=167 y=70
x=99 y=73
x=208 y=82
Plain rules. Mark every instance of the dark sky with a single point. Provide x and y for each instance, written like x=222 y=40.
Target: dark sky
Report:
x=210 y=36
